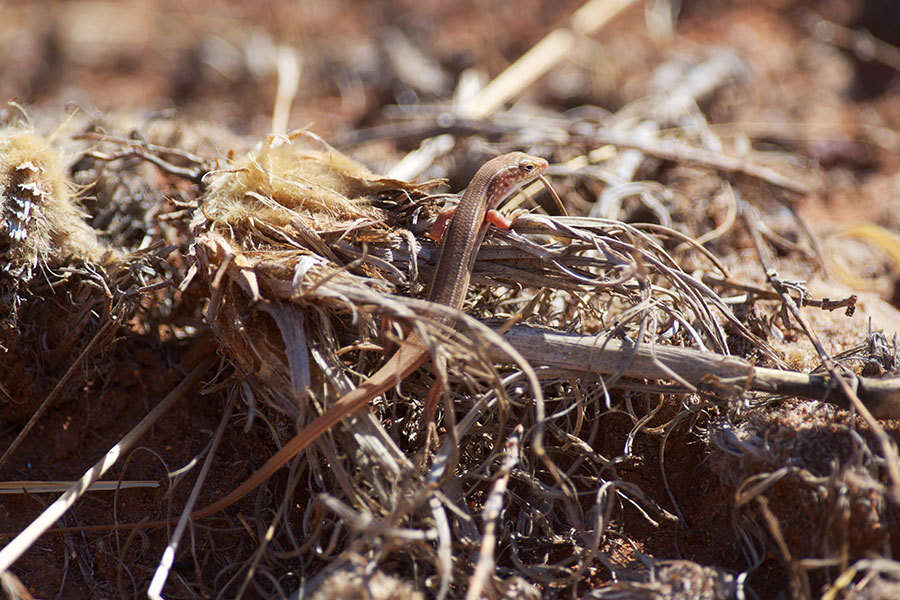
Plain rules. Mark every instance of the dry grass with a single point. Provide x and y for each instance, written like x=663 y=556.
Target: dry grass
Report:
x=613 y=379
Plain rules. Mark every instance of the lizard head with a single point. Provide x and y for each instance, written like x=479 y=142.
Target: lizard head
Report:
x=510 y=171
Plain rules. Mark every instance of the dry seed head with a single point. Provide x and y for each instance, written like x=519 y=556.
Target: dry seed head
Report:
x=276 y=183
x=273 y=184
x=30 y=177
x=39 y=219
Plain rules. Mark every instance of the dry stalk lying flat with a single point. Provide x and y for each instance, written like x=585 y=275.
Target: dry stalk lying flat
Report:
x=571 y=355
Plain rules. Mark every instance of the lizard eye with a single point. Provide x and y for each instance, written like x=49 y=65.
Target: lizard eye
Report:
x=528 y=167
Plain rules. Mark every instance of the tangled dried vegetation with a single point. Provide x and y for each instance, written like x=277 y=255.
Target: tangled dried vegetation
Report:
x=591 y=350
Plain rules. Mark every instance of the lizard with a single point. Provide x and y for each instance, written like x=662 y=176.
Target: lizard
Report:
x=496 y=180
